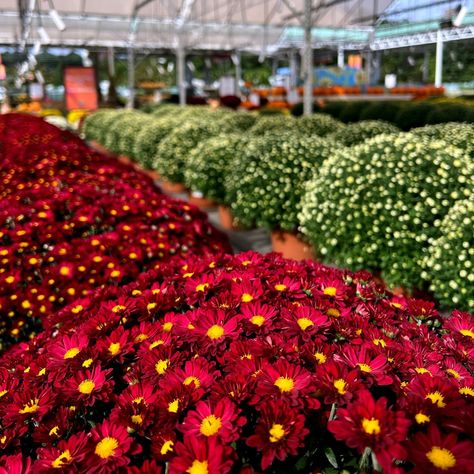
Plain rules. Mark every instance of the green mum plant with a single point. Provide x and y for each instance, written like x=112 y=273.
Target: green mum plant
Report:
x=94 y=124
x=268 y=183
x=131 y=127
x=457 y=134
x=358 y=132
x=237 y=122
x=150 y=136
x=449 y=265
x=173 y=151
x=376 y=205
x=117 y=128
x=209 y=165
x=274 y=123
x=318 y=124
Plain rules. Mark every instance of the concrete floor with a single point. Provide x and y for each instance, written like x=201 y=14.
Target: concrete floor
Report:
x=241 y=240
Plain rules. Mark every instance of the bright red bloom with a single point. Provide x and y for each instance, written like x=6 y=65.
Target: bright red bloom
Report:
x=201 y=456
x=221 y=420
x=369 y=423
x=87 y=386
x=436 y=453
x=67 y=456
x=111 y=446
x=279 y=433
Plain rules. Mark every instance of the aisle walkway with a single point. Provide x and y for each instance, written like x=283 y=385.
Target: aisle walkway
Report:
x=242 y=240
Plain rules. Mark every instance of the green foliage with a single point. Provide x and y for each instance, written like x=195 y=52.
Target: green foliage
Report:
x=334 y=108
x=355 y=133
x=448 y=112
x=274 y=123
x=384 y=110
x=318 y=124
x=267 y=183
x=352 y=111
x=376 y=205
x=237 y=122
x=174 y=150
x=93 y=123
x=117 y=129
x=413 y=115
x=449 y=265
x=460 y=135
x=210 y=162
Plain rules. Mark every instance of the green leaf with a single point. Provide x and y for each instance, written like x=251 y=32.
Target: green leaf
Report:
x=331 y=457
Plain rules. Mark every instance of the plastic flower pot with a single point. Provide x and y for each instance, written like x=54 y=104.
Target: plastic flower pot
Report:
x=291 y=246
x=125 y=160
x=170 y=187
x=226 y=218
x=197 y=198
x=153 y=174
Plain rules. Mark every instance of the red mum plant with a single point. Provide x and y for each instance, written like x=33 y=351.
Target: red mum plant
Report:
x=155 y=376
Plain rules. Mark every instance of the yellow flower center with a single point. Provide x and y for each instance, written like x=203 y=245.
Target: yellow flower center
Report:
x=422 y=370
x=380 y=342
x=365 y=367
x=87 y=363
x=10 y=279
x=454 y=373
x=280 y=287
x=335 y=313
x=436 y=398
x=141 y=337
x=64 y=458
x=138 y=400
x=210 y=425
x=466 y=391
x=320 y=357
x=215 y=332
x=371 y=426
x=173 y=406
x=77 y=309
x=257 y=320
x=304 y=323
x=31 y=407
x=421 y=418
x=467 y=332
x=64 y=271
x=246 y=298
x=54 y=431
x=150 y=306
x=190 y=379
x=198 y=467
x=285 y=384
x=202 y=287
x=330 y=291
x=441 y=458
x=277 y=432
x=167 y=447
x=154 y=344
x=106 y=447
x=340 y=386
x=161 y=366
x=168 y=326
x=118 y=308
x=86 y=387
x=137 y=419
x=114 y=348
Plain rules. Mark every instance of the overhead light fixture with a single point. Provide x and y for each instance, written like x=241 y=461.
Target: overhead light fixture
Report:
x=57 y=20
x=43 y=34
x=462 y=11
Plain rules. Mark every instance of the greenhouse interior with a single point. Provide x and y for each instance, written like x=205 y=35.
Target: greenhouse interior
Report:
x=237 y=236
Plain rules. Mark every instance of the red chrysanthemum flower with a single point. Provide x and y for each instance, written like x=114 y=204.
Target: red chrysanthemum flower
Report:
x=435 y=453
x=220 y=419
x=279 y=433
x=65 y=457
x=369 y=423
x=201 y=456
x=87 y=386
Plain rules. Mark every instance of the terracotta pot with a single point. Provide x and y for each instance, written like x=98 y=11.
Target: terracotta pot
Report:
x=152 y=174
x=226 y=219
x=291 y=246
x=170 y=187
x=100 y=148
x=125 y=160
x=200 y=201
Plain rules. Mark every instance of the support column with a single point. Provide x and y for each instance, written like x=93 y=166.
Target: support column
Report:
x=426 y=67
x=368 y=67
x=308 y=60
x=439 y=59
x=238 y=72
x=112 y=98
x=340 y=57
x=131 y=76
x=180 y=66
x=293 y=69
